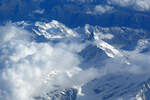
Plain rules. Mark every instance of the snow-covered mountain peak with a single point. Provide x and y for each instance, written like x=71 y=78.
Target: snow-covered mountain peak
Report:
x=53 y=30
x=109 y=50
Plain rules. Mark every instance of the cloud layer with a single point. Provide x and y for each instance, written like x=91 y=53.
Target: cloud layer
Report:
x=139 y=5
x=29 y=69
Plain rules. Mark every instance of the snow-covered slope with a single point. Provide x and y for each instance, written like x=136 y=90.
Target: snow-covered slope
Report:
x=66 y=94
x=144 y=93
x=53 y=30
x=113 y=87
x=113 y=51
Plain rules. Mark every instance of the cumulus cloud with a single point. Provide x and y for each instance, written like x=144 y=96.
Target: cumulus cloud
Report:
x=139 y=5
x=29 y=69
x=102 y=9
x=39 y=11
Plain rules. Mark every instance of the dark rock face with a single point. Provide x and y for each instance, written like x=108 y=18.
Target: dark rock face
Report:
x=67 y=94
x=92 y=56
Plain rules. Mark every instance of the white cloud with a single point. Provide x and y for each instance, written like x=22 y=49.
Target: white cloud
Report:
x=29 y=69
x=142 y=5
x=39 y=11
x=139 y=5
x=99 y=9
x=12 y=33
